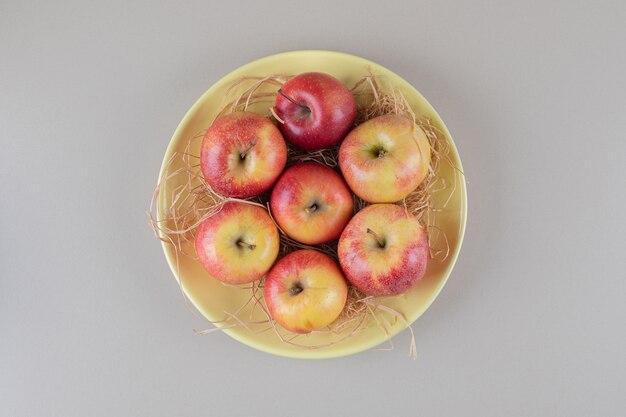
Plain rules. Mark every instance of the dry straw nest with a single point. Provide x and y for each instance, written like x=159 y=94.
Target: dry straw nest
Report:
x=193 y=201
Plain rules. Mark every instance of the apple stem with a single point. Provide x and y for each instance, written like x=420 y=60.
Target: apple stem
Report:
x=245 y=152
x=379 y=240
x=381 y=153
x=296 y=289
x=304 y=106
x=246 y=245
x=311 y=208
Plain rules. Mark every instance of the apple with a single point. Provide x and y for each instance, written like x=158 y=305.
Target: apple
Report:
x=383 y=250
x=238 y=244
x=311 y=203
x=385 y=158
x=305 y=291
x=242 y=154
x=316 y=110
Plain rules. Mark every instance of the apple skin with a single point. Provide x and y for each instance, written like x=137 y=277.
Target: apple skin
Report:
x=223 y=243
x=242 y=154
x=385 y=158
x=311 y=203
x=388 y=270
x=325 y=115
x=305 y=291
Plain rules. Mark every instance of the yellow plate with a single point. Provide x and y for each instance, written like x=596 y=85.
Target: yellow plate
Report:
x=212 y=298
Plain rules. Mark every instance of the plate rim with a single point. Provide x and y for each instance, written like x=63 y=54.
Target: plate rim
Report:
x=341 y=351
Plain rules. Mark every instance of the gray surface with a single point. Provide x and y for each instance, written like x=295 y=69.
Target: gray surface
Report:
x=531 y=322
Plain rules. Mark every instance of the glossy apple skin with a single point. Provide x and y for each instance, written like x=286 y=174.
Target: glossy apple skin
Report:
x=220 y=253
x=385 y=158
x=311 y=203
x=383 y=271
x=321 y=299
x=331 y=113
x=229 y=137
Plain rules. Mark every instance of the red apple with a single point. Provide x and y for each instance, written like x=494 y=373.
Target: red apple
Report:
x=385 y=158
x=383 y=250
x=317 y=110
x=242 y=154
x=311 y=203
x=305 y=291
x=238 y=244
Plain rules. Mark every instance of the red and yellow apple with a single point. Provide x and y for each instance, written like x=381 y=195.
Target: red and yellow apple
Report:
x=238 y=244
x=385 y=158
x=242 y=154
x=311 y=203
x=305 y=291
x=383 y=250
x=316 y=110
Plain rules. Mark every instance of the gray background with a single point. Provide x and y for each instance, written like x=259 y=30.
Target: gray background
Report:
x=532 y=321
